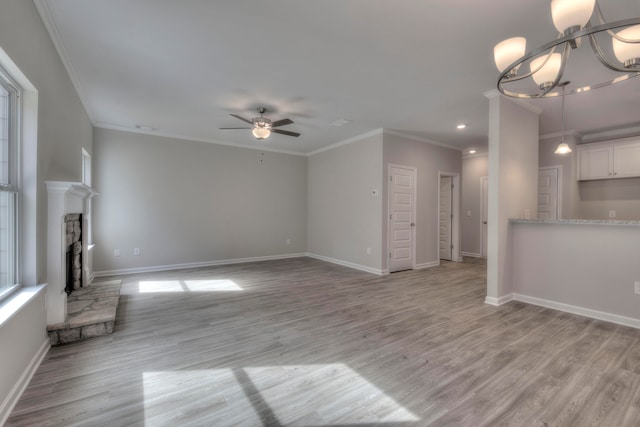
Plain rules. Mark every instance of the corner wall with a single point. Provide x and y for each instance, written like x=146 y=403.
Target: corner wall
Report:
x=473 y=168
x=344 y=218
x=184 y=202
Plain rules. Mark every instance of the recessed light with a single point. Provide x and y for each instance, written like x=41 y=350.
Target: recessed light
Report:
x=472 y=151
x=461 y=126
x=145 y=128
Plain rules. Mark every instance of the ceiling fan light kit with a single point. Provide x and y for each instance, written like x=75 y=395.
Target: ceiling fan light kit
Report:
x=262 y=127
x=576 y=21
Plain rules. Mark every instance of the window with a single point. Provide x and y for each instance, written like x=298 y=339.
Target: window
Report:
x=8 y=185
x=86 y=168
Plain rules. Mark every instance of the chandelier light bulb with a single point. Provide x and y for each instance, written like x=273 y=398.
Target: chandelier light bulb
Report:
x=628 y=53
x=571 y=15
x=546 y=74
x=508 y=51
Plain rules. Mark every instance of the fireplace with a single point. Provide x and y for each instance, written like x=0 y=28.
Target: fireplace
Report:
x=73 y=253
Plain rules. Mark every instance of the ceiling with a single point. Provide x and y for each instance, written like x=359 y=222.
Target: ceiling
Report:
x=416 y=67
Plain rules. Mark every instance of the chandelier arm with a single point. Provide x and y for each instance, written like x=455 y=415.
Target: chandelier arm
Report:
x=610 y=32
x=602 y=57
x=530 y=73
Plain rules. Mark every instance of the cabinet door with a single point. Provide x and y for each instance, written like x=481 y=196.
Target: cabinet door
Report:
x=626 y=160
x=596 y=162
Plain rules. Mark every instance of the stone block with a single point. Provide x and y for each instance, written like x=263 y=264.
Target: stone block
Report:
x=68 y=239
x=69 y=227
x=77 y=248
x=109 y=326
x=96 y=330
x=53 y=338
x=72 y=217
x=68 y=335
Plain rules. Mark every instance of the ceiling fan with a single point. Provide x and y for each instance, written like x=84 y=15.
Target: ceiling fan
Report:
x=261 y=127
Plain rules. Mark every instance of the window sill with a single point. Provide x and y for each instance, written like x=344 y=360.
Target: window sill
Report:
x=12 y=305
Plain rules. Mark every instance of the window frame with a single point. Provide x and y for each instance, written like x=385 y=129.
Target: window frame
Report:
x=13 y=178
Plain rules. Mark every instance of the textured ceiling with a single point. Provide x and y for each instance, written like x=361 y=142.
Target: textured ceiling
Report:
x=413 y=66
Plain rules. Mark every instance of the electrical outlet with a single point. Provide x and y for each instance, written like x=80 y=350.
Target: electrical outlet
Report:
x=116 y=252
x=612 y=214
x=136 y=251
x=636 y=286
x=288 y=242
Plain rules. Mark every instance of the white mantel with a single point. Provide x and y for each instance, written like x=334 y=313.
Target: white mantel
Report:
x=64 y=198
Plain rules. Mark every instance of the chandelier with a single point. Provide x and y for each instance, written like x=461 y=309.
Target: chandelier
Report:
x=538 y=73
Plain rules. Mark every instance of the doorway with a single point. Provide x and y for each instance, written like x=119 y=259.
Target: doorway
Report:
x=448 y=216
x=402 y=217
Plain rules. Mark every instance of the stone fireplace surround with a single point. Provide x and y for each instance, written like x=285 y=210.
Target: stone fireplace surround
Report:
x=64 y=198
x=73 y=252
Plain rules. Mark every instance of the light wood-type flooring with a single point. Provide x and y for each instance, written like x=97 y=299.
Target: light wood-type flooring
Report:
x=301 y=342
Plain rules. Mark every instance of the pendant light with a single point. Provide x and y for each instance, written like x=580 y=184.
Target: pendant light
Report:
x=563 y=147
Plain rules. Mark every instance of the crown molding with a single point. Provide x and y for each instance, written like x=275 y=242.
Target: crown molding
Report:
x=347 y=141
x=420 y=139
x=494 y=93
x=573 y=133
x=54 y=34
x=188 y=138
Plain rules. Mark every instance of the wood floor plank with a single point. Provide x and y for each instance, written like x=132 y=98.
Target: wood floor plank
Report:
x=307 y=343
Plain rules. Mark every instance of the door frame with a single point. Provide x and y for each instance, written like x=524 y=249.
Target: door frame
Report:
x=455 y=210
x=414 y=213
x=482 y=197
x=558 y=169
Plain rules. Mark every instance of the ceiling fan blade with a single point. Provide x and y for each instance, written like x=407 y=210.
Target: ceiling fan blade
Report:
x=285 y=132
x=281 y=123
x=240 y=118
x=235 y=128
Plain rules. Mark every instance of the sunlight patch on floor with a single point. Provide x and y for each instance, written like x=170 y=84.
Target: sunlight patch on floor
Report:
x=295 y=395
x=161 y=286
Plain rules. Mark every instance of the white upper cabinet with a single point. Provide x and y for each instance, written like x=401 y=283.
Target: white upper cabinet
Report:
x=609 y=160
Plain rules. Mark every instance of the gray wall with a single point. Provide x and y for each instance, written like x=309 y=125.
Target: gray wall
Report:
x=344 y=218
x=63 y=128
x=473 y=168
x=598 y=197
x=185 y=202
x=428 y=160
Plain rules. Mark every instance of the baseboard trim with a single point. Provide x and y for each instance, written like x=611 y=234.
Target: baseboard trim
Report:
x=581 y=311
x=353 y=265
x=498 y=301
x=19 y=387
x=471 y=254
x=427 y=265
x=156 y=268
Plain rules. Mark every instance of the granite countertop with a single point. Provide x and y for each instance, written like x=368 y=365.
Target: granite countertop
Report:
x=576 y=221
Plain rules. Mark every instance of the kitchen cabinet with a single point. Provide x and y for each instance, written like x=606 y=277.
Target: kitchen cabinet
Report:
x=609 y=160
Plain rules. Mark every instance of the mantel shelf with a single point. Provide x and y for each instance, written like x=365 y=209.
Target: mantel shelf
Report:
x=77 y=188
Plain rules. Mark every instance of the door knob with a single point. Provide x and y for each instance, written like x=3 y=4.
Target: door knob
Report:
x=413 y=224
x=484 y=222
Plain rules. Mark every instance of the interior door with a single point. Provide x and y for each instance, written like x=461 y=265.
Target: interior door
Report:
x=548 y=193
x=484 y=189
x=402 y=211
x=445 y=227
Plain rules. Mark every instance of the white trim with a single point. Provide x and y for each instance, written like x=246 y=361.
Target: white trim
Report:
x=17 y=301
x=19 y=387
x=349 y=264
x=427 y=265
x=346 y=141
x=155 y=268
x=552 y=135
x=482 y=242
x=260 y=147
x=581 y=311
x=493 y=93
x=49 y=23
x=498 y=301
x=420 y=139
x=471 y=254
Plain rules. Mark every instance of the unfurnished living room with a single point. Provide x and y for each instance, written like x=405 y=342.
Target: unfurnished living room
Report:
x=320 y=214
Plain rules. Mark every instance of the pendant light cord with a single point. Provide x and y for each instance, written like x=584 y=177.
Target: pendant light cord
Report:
x=562 y=115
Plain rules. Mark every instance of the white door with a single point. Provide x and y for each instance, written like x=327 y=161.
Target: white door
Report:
x=445 y=217
x=484 y=189
x=548 y=193
x=402 y=212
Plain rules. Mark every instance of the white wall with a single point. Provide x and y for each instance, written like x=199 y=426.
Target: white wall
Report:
x=185 y=202
x=63 y=128
x=473 y=168
x=344 y=218
x=584 y=267
x=428 y=159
